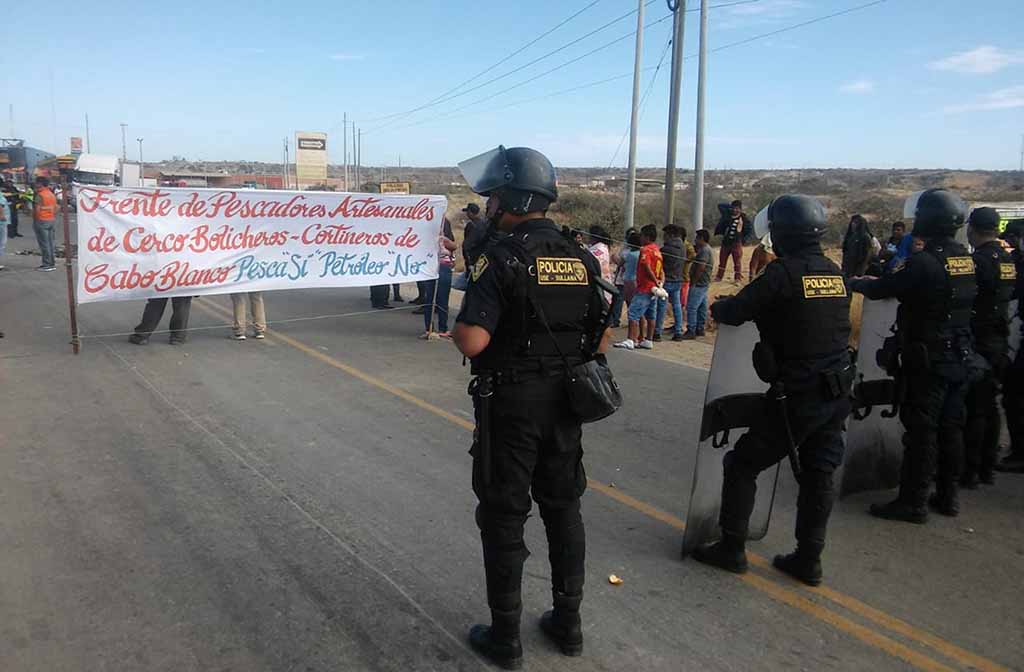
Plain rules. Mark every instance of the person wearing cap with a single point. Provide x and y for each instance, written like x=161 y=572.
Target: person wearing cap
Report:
x=474 y=233
x=990 y=324
x=936 y=290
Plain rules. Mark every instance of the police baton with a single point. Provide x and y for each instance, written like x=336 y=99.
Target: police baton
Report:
x=794 y=459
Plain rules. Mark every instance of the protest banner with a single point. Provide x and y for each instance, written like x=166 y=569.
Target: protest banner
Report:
x=144 y=243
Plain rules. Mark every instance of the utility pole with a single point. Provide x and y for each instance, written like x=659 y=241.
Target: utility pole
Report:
x=399 y=167
x=634 y=120
x=698 y=163
x=284 y=166
x=142 y=166
x=10 y=110
x=359 y=160
x=676 y=86
x=1022 y=153
x=355 y=160
x=344 y=143
x=88 y=145
x=124 y=142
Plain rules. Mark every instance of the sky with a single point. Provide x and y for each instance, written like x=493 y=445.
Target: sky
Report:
x=902 y=83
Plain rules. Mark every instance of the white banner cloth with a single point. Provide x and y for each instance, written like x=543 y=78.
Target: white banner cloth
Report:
x=160 y=242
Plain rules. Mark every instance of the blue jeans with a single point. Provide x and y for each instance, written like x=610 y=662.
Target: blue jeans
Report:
x=672 y=287
x=642 y=306
x=696 y=308
x=617 y=303
x=440 y=308
x=44 y=236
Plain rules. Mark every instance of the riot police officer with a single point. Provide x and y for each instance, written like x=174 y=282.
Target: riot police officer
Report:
x=530 y=311
x=995 y=273
x=801 y=306
x=1013 y=381
x=936 y=291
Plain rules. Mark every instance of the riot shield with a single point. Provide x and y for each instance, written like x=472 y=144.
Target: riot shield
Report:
x=735 y=395
x=1014 y=328
x=874 y=447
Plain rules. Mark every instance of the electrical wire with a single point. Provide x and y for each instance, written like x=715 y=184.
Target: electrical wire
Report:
x=493 y=66
x=551 y=53
x=451 y=114
x=445 y=98
x=643 y=100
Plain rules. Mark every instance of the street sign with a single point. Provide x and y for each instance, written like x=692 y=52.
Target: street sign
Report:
x=310 y=158
x=76 y=145
x=396 y=187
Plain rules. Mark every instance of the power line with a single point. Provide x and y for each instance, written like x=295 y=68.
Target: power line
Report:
x=493 y=66
x=451 y=113
x=546 y=72
x=643 y=100
x=444 y=99
x=793 y=27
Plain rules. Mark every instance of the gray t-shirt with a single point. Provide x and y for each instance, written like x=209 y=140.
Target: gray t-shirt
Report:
x=703 y=265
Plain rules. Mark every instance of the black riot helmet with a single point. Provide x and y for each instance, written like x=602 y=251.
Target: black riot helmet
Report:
x=795 y=222
x=937 y=213
x=521 y=178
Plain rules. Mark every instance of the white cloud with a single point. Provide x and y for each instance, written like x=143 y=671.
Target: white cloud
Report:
x=763 y=7
x=980 y=61
x=346 y=57
x=1003 y=99
x=860 y=86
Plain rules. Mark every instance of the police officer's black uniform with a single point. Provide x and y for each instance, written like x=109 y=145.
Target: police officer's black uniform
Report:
x=801 y=307
x=1013 y=382
x=936 y=291
x=996 y=274
x=527 y=441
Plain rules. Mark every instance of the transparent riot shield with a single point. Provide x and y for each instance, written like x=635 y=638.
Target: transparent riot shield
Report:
x=734 y=397
x=874 y=447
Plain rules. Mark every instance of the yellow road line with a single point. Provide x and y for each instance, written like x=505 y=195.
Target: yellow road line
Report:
x=774 y=590
x=866 y=635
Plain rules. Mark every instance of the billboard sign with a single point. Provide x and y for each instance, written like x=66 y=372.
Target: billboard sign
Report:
x=395 y=187
x=76 y=145
x=310 y=158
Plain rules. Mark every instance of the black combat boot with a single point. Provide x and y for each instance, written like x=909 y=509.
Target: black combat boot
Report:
x=814 y=506
x=728 y=554
x=562 y=624
x=899 y=510
x=945 y=501
x=499 y=642
x=970 y=480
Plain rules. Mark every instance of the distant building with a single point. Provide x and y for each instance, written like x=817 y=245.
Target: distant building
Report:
x=19 y=162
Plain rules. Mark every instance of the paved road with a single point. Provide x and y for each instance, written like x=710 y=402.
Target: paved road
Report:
x=302 y=503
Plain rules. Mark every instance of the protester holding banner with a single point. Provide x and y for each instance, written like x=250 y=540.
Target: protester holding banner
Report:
x=438 y=291
x=259 y=315
x=154 y=311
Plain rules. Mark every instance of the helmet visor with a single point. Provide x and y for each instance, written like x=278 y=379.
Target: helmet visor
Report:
x=486 y=172
x=910 y=205
x=761 y=223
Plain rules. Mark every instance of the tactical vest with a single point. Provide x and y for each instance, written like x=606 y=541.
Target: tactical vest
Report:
x=46 y=208
x=991 y=305
x=942 y=315
x=814 y=322
x=547 y=274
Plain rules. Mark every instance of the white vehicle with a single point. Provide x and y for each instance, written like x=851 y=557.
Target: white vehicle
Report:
x=98 y=169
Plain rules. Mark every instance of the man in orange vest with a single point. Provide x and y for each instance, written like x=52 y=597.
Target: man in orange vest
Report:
x=44 y=220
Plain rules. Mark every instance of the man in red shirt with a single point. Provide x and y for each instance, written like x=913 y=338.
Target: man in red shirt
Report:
x=649 y=275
